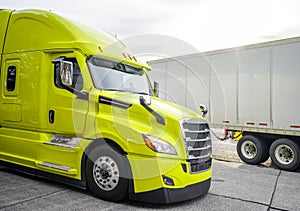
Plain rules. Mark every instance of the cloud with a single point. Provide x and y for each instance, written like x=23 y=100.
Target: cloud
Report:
x=205 y=24
x=158 y=45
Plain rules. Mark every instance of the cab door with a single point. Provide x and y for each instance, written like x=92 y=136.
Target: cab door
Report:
x=59 y=151
x=67 y=111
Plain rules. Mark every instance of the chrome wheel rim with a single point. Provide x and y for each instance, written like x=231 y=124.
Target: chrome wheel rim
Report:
x=248 y=149
x=106 y=173
x=284 y=154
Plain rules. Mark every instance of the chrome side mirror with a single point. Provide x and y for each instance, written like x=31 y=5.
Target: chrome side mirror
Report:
x=203 y=110
x=156 y=88
x=66 y=73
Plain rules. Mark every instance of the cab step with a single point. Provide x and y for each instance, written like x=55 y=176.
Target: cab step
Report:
x=58 y=168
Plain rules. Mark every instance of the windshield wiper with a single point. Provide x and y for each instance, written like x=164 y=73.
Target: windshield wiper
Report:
x=120 y=90
x=117 y=90
x=141 y=93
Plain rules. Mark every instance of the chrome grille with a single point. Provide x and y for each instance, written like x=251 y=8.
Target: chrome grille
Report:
x=198 y=143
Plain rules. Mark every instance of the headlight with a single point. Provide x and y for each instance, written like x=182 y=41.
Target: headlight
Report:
x=158 y=145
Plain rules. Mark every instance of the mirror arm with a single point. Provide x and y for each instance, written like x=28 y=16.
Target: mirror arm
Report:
x=59 y=59
x=80 y=95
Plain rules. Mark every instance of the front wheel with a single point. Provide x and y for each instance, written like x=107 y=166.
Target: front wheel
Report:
x=107 y=174
x=252 y=150
x=285 y=154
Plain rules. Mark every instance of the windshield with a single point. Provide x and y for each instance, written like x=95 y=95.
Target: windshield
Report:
x=116 y=76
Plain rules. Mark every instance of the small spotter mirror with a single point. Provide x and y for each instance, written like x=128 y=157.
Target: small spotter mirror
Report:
x=156 y=88
x=66 y=73
x=203 y=110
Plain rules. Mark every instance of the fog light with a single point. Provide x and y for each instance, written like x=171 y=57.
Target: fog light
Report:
x=168 y=180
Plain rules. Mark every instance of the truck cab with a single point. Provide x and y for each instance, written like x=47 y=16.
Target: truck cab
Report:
x=76 y=107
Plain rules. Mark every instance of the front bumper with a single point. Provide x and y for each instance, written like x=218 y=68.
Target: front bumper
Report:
x=172 y=195
x=149 y=184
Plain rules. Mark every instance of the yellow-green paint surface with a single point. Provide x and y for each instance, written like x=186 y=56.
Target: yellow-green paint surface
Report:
x=33 y=39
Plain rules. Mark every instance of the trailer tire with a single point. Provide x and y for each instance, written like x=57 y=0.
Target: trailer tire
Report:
x=285 y=154
x=107 y=174
x=252 y=150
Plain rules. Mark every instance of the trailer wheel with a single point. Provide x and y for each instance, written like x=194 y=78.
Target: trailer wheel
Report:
x=285 y=154
x=251 y=150
x=107 y=175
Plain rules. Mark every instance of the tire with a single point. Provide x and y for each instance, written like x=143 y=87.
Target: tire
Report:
x=285 y=154
x=252 y=150
x=107 y=174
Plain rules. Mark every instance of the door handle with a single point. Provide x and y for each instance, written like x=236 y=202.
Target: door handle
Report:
x=51 y=116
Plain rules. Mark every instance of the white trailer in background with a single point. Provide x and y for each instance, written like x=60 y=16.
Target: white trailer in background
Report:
x=254 y=89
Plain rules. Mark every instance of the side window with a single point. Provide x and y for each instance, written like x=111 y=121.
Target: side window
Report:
x=77 y=82
x=11 y=78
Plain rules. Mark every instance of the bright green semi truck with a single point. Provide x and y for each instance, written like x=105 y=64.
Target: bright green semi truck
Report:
x=76 y=107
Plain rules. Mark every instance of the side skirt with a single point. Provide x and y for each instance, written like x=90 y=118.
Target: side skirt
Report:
x=46 y=175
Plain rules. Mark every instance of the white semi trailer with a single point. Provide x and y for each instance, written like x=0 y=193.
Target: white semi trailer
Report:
x=254 y=89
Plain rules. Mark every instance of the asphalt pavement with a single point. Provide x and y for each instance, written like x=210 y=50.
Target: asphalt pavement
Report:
x=235 y=186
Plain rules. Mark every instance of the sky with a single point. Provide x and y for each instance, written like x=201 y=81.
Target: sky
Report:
x=166 y=28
